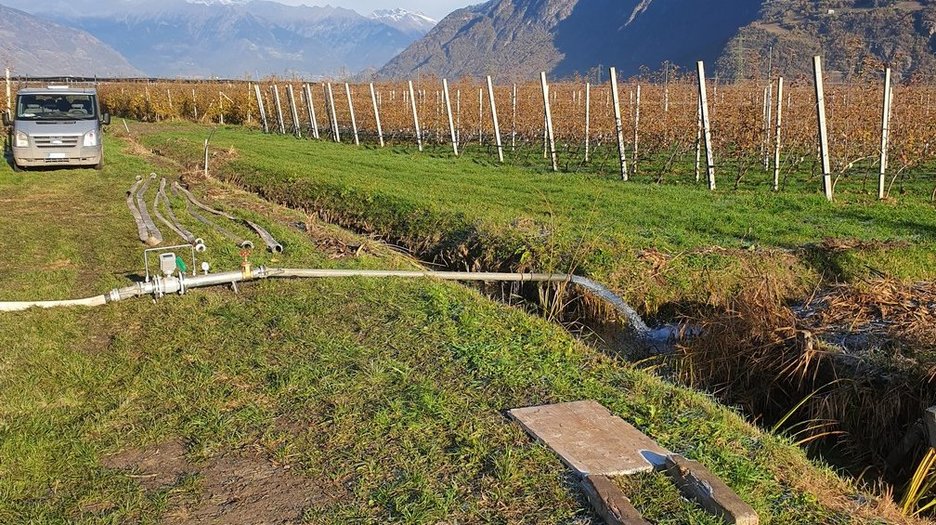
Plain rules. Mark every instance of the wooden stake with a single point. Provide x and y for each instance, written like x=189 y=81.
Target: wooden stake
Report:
x=497 y=135
x=698 y=143
x=480 y=116
x=293 y=111
x=618 y=122
x=823 y=130
x=776 y=173
x=412 y=96
x=885 y=131
x=310 y=109
x=513 y=121
x=279 y=109
x=373 y=95
x=587 y=121
x=636 y=131
x=706 y=126
x=9 y=92
x=336 y=133
x=357 y=141
x=451 y=119
x=549 y=124
x=261 y=109
x=767 y=129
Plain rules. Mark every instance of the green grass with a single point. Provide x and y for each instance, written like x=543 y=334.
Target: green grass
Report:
x=477 y=213
x=392 y=393
x=658 y=500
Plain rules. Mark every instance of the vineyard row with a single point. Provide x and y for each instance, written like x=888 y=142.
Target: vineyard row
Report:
x=659 y=122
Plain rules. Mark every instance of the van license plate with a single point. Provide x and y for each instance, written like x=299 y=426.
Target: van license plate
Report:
x=56 y=155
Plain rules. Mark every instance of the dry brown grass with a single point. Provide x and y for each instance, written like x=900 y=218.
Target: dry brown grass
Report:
x=767 y=356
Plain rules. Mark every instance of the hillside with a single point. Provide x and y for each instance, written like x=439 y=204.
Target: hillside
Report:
x=856 y=38
x=36 y=47
x=236 y=39
x=516 y=39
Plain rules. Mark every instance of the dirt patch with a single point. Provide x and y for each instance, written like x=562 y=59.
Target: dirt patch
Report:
x=242 y=488
x=155 y=467
x=245 y=490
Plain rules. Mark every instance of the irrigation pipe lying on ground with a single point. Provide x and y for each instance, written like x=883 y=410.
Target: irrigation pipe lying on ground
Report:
x=241 y=243
x=171 y=284
x=155 y=236
x=268 y=239
x=142 y=230
x=173 y=222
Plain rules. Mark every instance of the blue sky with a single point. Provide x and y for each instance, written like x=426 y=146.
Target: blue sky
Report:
x=434 y=8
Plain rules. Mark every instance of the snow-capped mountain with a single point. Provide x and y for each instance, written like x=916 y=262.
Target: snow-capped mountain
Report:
x=411 y=23
x=236 y=38
x=218 y=2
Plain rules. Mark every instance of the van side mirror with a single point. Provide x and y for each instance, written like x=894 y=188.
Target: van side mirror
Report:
x=105 y=119
x=6 y=119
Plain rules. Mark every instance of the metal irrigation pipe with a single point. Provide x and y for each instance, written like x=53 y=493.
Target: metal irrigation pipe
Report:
x=161 y=286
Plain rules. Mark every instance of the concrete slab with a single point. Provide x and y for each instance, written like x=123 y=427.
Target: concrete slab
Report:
x=591 y=440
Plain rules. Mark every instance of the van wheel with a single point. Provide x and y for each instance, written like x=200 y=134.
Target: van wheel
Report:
x=100 y=165
x=16 y=167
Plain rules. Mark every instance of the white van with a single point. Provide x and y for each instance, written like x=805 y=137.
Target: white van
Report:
x=57 y=126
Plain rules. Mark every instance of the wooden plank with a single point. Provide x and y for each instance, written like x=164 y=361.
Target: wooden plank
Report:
x=700 y=485
x=610 y=502
x=589 y=439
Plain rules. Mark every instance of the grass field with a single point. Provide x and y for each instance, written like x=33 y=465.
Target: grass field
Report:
x=384 y=398
x=656 y=244
x=674 y=250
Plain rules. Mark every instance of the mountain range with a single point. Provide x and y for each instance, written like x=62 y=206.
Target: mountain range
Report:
x=512 y=40
x=42 y=48
x=516 y=39
x=237 y=38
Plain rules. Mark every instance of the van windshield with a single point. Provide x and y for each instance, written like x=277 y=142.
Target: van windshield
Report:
x=55 y=106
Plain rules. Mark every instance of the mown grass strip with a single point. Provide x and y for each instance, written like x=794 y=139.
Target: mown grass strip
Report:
x=468 y=211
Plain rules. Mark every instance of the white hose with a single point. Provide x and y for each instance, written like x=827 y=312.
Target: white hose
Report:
x=99 y=300
x=164 y=286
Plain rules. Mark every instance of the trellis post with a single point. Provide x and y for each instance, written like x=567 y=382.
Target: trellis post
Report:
x=706 y=126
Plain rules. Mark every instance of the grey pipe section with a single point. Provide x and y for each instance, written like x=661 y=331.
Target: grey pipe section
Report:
x=164 y=286
x=268 y=239
x=142 y=231
x=272 y=244
x=173 y=222
x=155 y=236
x=242 y=243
